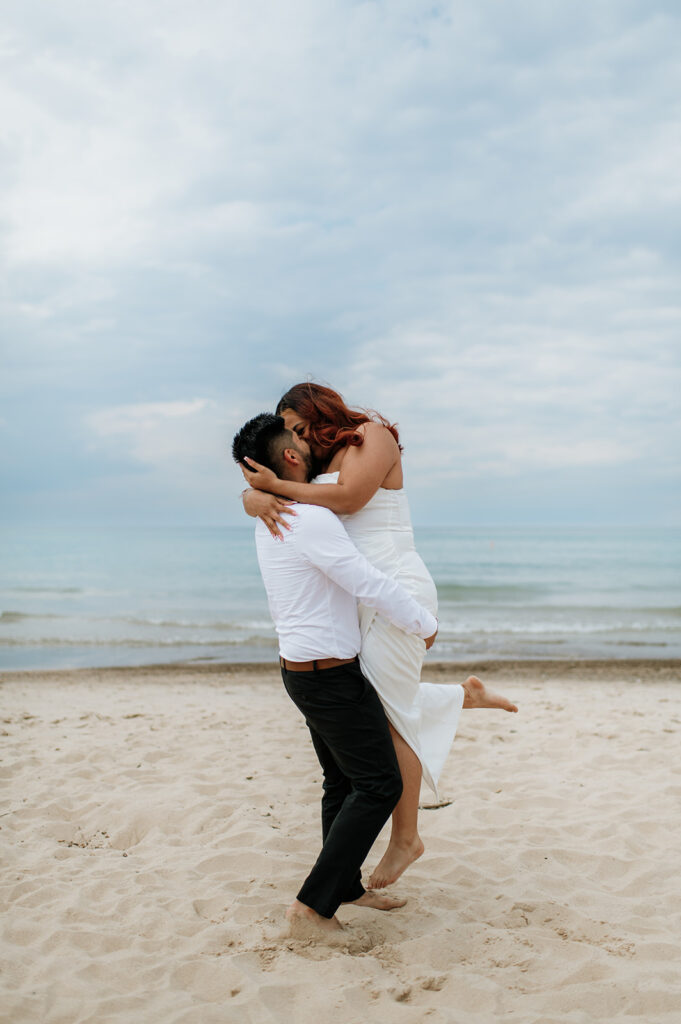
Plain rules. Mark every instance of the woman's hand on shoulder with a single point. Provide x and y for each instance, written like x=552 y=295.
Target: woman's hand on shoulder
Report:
x=270 y=508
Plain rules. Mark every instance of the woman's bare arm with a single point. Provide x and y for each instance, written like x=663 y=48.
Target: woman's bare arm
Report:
x=363 y=470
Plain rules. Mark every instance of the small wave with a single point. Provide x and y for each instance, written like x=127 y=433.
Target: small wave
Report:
x=488 y=591
x=22 y=616
x=240 y=626
x=635 y=643
x=60 y=641
x=547 y=628
x=187 y=624
x=13 y=617
x=45 y=590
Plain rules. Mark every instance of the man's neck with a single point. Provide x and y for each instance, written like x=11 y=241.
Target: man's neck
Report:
x=296 y=478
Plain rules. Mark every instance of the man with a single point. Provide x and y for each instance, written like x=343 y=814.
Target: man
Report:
x=314 y=580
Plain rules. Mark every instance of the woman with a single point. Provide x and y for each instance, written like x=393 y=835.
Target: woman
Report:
x=361 y=481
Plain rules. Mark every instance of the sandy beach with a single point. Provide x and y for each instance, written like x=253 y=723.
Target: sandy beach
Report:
x=156 y=822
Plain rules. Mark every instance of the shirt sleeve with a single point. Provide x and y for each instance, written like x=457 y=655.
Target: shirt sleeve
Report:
x=323 y=541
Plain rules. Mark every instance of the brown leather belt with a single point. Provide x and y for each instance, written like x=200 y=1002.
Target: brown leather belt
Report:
x=312 y=666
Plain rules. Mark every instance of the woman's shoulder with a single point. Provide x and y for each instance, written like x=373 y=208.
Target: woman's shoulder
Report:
x=377 y=459
x=376 y=433
x=376 y=439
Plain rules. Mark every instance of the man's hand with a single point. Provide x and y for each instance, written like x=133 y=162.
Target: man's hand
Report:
x=431 y=640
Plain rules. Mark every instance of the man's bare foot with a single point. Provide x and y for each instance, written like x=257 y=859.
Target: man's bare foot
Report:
x=377 y=901
x=476 y=695
x=395 y=861
x=298 y=914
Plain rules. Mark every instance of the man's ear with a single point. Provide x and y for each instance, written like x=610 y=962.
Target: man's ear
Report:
x=291 y=456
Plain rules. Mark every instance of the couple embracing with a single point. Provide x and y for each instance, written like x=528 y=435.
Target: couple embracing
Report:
x=354 y=609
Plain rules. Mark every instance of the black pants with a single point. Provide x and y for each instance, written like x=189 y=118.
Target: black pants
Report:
x=362 y=781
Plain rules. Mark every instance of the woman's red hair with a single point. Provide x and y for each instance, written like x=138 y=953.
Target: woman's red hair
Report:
x=332 y=424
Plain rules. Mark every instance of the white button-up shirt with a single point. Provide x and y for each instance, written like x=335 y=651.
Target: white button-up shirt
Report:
x=314 y=579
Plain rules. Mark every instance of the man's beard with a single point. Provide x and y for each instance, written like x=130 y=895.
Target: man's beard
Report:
x=315 y=466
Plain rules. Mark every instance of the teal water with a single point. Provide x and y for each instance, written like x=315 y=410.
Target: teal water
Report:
x=96 y=597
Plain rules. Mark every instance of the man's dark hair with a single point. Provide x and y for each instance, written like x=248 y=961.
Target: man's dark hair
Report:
x=264 y=439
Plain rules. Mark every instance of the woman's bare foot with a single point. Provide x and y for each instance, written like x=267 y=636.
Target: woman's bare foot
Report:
x=298 y=914
x=476 y=695
x=377 y=901
x=395 y=861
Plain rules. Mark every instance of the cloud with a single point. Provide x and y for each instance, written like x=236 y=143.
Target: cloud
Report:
x=462 y=214
x=161 y=435
x=503 y=392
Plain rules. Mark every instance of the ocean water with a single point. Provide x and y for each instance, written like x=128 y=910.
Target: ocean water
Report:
x=96 y=597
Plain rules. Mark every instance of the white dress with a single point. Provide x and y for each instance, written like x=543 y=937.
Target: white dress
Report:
x=426 y=715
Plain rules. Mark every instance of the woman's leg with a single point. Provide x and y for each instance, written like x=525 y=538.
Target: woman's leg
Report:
x=405 y=844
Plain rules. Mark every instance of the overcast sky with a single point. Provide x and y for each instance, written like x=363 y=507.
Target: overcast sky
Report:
x=463 y=214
